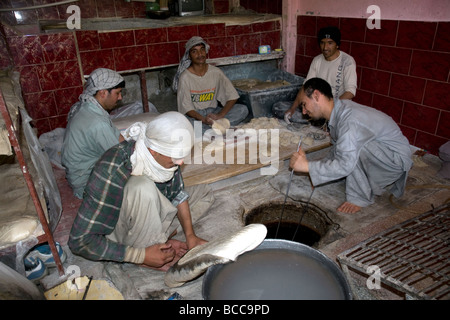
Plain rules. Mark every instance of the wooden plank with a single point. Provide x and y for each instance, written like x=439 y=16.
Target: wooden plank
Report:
x=194 y=173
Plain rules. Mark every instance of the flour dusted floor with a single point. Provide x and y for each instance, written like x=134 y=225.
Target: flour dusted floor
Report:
x=238 y=195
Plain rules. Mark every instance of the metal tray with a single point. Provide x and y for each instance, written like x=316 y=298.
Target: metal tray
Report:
x=277 y=270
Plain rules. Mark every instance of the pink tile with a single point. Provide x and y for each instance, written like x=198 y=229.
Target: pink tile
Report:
x=409 y=133
x=326 y=22
x=390 y=106
x=58 y=47
x=42 y=126
x=5 y=59
x=263 y=26
x=66 y=98
x=211 y=30
x=386 y=35
x=59 y=75
x=163 y=54
x=442 y=40
x=29 y=79
x=221 y=7
x=430 y=65
x=130 y=58
x=429 y=142
x=363 y=97
x=436 y=95
x=105 y=8
x=375 y=81
x=57 y=122
x=271 y=38
x=353 y=29
x=138 y=9
x=123 y=9
x=301 y=45
x=91 y=60
x=394 y=59
x=416 y=34
x=26 y=50
x=306 y=26
x=41 y=105
x=407 y=88
x=182 y=33
x=365 y=55
x=48 y=13
x=116 y=39
x=420 y=117
x=150 y=36
x=312 y=47
x=345 y=46
x=221 y=47
x=246 y=44
x=302 y=64
x=89 y=9
x=238 y=30
x=444 y=125
x=87 y=40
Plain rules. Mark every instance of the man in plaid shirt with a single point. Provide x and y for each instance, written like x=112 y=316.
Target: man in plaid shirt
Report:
x=133 y=194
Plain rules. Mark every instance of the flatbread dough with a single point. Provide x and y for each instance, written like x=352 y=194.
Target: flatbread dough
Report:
x=221 y=250
x=220 y=126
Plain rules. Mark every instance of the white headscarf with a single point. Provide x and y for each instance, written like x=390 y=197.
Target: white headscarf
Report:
x=185 y=61
x=170 y=134
x=99 y=79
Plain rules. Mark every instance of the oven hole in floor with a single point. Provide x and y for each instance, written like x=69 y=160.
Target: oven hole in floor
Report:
x=302 y=223
x=292 y=231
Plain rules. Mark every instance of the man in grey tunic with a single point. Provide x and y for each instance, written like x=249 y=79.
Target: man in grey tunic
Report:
x=368 y=150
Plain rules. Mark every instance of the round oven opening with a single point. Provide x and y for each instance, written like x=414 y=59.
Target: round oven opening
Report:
x=299 y=221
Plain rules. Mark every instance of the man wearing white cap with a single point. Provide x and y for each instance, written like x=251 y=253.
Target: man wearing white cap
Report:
x=204 y=93
x=90 y=132
x=133 y=195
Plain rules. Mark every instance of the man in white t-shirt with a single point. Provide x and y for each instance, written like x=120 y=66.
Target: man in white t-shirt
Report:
x=204 y=93
x=333 y=65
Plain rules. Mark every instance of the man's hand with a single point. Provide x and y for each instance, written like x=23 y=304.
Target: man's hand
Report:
x=159 y=255
x=298 y=161
x=193 y=241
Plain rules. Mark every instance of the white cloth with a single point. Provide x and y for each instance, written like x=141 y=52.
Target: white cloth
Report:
x=170 y=134
x=339 y=73
x=142 y=160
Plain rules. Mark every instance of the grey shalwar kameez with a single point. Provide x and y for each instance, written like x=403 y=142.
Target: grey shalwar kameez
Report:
x=369 y=150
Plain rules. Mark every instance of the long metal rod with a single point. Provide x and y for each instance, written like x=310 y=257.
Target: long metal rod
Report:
x=287 y=192
x=304 y=210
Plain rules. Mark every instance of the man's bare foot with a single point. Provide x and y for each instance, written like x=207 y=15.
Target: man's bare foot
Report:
x=348 y=207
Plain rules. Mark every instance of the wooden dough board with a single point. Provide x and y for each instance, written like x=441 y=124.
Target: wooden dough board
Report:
x=194 y=174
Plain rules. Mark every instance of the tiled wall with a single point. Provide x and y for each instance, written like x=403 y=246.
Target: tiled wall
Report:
x=51 y=65
x=263 y=6
x=403 y=70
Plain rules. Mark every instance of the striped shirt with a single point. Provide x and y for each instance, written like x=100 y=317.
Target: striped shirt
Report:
x=102 y=200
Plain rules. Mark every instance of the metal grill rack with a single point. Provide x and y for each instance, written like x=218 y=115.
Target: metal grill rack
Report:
x=412 y=257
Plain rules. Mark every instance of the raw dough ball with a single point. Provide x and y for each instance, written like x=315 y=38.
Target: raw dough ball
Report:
x=220 y=126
